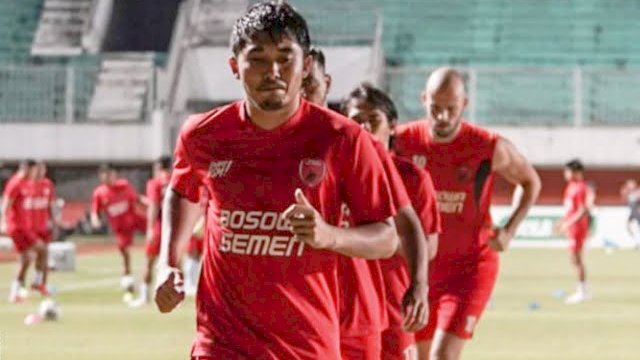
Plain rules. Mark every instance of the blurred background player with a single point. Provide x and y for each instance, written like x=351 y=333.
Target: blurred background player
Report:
x=155 y=189
x=16 y=222
x=462 y=160
x=575 y=225
x=377 y=113
x=631 y=194
x=43 y=220
x=194 y=248
x=364 y=296
x=117 y=199
x=277 y=301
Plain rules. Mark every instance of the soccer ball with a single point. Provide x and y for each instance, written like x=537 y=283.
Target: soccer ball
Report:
x=49 y=310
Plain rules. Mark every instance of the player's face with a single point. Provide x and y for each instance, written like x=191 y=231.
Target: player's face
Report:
x=316 y=86
x=41 y=171
x=271 y=72
x=444 y=109
x=32 y=172
x=371 y=118
x=569 y=175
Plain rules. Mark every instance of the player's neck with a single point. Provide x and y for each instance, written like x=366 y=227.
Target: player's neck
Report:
x=445 y=139
x=269 y=120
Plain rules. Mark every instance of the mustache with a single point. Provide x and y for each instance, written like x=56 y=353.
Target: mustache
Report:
x=272 y=85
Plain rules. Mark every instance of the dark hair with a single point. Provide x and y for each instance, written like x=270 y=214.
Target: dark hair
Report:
x=368 y=93
x=27 y=163
x=318 y=56
x=106 y=167
x=273 y=18
x=164 y=162
x=575 y=165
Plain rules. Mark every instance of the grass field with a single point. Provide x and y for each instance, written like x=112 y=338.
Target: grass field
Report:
x=96 y=325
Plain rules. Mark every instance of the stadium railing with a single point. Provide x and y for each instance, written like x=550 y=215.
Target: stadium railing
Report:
x=536 y=96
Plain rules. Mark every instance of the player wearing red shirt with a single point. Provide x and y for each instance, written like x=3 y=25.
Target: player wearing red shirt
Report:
x=42 y=202
x=117 y=199
x=375 y=111
x=462 y=160
x=15 y=221
x=575 y=224
x=277 y=170
x=155 y=190
x=364 y=296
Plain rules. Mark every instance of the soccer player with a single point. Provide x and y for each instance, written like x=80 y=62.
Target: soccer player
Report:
x=462 y=159
x=42 y=209
x=117 y=199
x=155 y=189
x=277 y=170
x=575 y=225
x=368 y=304
x=15 y=221
x=376 y=112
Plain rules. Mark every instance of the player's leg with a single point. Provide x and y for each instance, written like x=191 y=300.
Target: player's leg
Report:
x=41 y=268
x=17 y=292
x=582 y=293
x=127 y=283
x=191 y=265
x=425 y=336
x=446 y=346
x=424 y=348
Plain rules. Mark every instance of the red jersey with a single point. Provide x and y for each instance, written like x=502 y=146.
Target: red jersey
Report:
x=575 y=197
x=118 y=201
x=268 y=296
x=463 y=178
x=419 y=185
x=156 y=188
x=42 y=198
x=18 y=217
x=363 y=300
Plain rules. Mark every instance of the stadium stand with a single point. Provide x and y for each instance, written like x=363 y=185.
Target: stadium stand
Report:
x=18 y=21
x=61 y=27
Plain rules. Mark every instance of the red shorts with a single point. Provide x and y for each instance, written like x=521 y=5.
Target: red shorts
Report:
x=195 y=245
x=366 y=347
x=23 y=240
x=577 y=237
x=45 y=235
x=398 y=344
x=456 y=305
x=124 y=235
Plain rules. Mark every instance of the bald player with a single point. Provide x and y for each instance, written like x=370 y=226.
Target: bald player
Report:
x=463 y=160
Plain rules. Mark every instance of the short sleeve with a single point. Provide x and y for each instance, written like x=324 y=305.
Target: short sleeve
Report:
x=365 y=188
x=184 y=178
x=396 y=185
x=12 y=190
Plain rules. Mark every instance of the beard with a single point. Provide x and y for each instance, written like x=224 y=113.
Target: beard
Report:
x=271 y=104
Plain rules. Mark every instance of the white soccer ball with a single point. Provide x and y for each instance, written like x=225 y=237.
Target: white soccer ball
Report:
x=49 y=310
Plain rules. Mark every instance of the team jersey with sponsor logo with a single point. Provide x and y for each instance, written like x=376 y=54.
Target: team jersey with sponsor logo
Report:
x=156 y=188
x=18 y=216
x=118 y=203
x=575 y=197
x=262 y=294
x=419 y=186
x=463 y=178
x=41 y=200
x=363 y=299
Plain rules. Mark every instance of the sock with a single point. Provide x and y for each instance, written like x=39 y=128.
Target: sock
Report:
x=144 y=291
x=15 y=288
x=582 y=287
x=37 y=278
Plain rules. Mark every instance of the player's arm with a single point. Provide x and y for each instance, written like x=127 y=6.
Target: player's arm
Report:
x=95 y=211
x=179 y=216
x=369 y=241
x=516 y=169
x=415 y=251
x=7 y=201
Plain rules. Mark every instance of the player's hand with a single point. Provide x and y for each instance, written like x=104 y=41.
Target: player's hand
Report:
x=307 y=224
x=169 y=289
x=561 y=227
x=415 y=307
x=95 y=222
x=3 y=227
x=500 y=239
